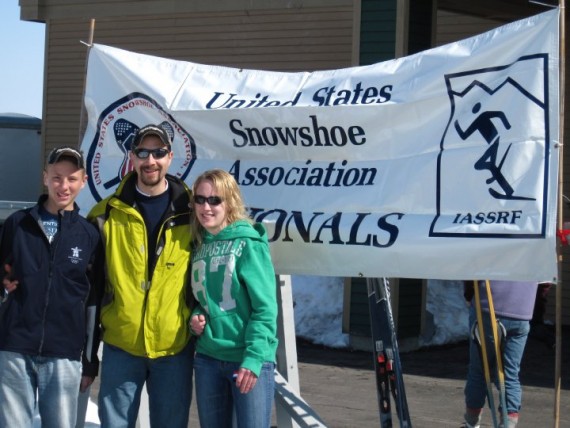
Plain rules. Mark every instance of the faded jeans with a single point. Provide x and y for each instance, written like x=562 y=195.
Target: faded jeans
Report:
x=54 y=380
x=168 y=383
x=476 y=386
x=217 y=395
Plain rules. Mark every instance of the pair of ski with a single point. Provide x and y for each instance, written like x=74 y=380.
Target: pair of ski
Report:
x=387 y=365
x=499 y=335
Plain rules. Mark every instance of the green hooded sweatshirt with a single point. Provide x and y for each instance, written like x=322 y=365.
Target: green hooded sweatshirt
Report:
x=234 y=281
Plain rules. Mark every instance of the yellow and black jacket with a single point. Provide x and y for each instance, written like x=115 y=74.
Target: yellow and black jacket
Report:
x=145 y=314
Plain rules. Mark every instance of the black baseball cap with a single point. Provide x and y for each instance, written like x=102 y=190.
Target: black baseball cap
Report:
x=66 y=153
x=155 y=130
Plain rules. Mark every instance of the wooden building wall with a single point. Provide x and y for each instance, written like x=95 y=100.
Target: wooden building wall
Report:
x=452 y=27
x=272 y=39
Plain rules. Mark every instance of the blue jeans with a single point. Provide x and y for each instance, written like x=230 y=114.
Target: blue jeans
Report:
x=54 y=380
x=168 y=383
x=514 y=344
x=217 y=395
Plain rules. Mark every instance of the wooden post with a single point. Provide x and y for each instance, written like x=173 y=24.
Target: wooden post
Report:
x=82 y=112
x=558 y=314
x=290 y=408
x=287 y=348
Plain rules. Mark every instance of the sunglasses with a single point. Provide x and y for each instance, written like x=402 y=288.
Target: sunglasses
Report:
x=145 y=153
x=212 y=200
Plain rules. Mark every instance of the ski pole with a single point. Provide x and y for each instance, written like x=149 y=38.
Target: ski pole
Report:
x=484 y=355
x=383 y=385
x=389 y=377
x=399 y=391
x=500 y=368
x=380 y=360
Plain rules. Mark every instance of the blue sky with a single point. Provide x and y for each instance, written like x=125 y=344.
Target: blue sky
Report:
x=22 y=59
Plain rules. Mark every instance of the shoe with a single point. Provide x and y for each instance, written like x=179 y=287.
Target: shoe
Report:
x=471 y=420
x=512 y=421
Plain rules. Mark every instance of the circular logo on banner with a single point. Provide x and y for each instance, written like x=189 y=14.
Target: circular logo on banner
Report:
x=108 y=155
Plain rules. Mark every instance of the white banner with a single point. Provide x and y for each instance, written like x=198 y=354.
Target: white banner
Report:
x=438 y=165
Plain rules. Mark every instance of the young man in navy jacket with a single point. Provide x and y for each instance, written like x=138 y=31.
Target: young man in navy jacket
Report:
x=49 y=310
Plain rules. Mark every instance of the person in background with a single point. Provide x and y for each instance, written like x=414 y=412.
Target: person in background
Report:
x=538 y=328
x=234 y=282
x=146 y=307
x=48 y=327
x=513 y=302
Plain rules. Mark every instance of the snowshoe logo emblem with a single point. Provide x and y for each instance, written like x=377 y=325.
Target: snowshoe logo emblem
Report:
x=108 y=160
x=494 y=110
x=74 y=258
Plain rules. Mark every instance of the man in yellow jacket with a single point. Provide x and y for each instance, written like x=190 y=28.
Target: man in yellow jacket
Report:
x=145 y=311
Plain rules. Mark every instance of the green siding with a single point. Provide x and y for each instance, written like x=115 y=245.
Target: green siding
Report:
x=377 y=31
x=359 y=312
x=410 y=307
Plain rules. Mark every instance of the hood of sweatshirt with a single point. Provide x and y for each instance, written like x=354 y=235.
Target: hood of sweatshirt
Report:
x=239 y=229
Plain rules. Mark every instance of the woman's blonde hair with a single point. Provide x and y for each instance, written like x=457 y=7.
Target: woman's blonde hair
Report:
x=226 y=188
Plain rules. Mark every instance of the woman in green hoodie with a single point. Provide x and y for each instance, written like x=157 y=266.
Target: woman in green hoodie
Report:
x=234 y=282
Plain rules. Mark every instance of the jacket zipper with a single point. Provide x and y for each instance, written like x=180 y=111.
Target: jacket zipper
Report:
x=159 y=248
x=52 y=251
